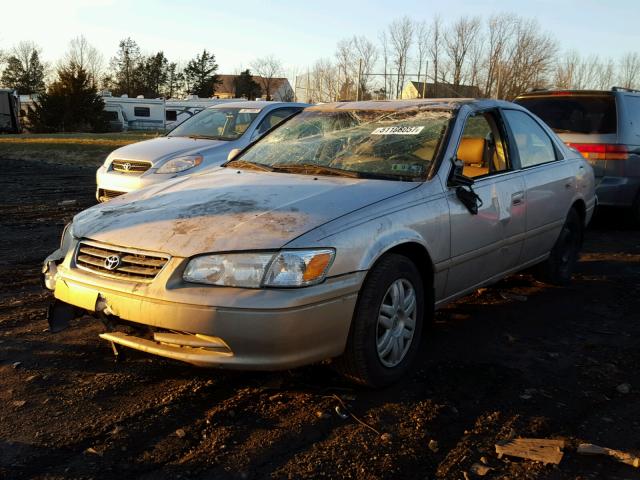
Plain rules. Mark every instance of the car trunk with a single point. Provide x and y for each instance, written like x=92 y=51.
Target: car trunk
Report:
x=586 y=121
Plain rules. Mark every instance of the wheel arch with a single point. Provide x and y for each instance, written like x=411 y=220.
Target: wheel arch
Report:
x=419 y=254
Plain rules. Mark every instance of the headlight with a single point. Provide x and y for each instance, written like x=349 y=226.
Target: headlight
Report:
x=298 y=268
x=289 y=268
x=67 y=237
x=180 y=164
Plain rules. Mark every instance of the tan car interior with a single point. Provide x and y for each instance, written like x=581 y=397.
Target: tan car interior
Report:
x=480 y=153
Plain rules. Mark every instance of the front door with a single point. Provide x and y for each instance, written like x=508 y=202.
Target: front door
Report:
x=486 y=245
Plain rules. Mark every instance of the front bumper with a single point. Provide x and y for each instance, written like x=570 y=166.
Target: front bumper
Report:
x=126 y=182
x=267 y=329
x=617 y=191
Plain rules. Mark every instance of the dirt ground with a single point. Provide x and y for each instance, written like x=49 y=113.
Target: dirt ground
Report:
x=517 y=359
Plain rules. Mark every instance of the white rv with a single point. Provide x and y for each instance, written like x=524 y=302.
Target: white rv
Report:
x=139 y=113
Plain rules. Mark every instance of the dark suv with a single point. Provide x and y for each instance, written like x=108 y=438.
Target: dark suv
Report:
x=605 y=127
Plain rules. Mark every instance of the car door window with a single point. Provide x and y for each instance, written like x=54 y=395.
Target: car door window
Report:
x=274 y=118
x=533 y=144
x=482 y=149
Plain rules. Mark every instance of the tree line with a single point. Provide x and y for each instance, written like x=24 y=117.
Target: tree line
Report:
x=70 y=101
x=128 y=72
x=503 y=55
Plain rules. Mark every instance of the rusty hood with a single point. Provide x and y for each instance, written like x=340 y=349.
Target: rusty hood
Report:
x=228 y=210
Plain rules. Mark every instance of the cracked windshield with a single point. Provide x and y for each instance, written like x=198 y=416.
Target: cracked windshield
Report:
x=358 y=143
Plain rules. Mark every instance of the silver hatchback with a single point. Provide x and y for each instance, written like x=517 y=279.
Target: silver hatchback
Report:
x=333 y=237
x=199 y=143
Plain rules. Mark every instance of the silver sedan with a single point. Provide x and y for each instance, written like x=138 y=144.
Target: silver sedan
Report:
x=336 y=236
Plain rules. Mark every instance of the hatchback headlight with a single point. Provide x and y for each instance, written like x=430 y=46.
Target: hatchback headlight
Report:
x=67 y=237
x=180 y=164
x=288 y=268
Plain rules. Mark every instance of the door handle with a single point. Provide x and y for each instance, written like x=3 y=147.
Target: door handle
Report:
x=517 y=198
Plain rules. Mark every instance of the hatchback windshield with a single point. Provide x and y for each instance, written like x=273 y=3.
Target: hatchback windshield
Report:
x=396 y=145
x=217 y=123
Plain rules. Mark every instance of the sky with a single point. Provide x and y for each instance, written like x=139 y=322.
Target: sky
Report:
x=297 y=32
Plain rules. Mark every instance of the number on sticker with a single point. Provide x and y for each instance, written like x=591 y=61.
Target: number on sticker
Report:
x=397 y=131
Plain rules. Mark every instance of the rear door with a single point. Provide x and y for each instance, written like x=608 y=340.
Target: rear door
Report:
x=583 y=120
x=549 y=180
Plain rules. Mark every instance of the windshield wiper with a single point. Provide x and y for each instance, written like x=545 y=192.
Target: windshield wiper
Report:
x=206 y=137
x=313 y=169
x=251 y=165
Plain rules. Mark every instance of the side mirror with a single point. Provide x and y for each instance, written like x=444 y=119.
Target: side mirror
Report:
x=233 y=154
x=463 y=186
x=456 y=177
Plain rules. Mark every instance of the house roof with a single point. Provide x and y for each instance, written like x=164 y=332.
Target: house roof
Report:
x=226 y=83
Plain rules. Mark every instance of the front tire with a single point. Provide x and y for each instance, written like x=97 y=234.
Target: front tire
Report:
x=558 y=268
x=386 y=330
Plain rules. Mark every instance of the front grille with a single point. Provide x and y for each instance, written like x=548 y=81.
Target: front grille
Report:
x=130 y=264
x=106 y=195
x=130 y=166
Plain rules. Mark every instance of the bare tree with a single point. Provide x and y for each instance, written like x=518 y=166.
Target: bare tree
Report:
x=500 y=32
x=565 y=74
x=345 y=58
x=422 y=41
x=629 y=76
x=476 y=59
x=269 y=68
x=322 y=83
x=435 y=48
x=458 y=42
x=367 y=54
x=529 y=61
x=384 y=48
x=401 y=35
x=606 y=74
x=86 y=56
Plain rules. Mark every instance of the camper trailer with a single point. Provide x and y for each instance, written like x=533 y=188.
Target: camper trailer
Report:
x=178 y=110
x=124 y=113
x=9 y=111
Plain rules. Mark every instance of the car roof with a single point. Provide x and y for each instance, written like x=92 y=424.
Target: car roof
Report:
x=418 y=103
x=569 y=92
x=257 y=104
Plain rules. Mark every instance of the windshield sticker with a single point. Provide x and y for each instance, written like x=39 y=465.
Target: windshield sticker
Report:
x=406 y=168
x=249 y=110
x=397 y=131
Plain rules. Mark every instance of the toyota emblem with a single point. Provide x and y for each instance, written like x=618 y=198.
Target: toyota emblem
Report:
x=126 y=166
x=111 y=262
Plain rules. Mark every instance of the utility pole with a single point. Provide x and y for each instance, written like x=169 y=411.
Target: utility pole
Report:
x=424 y=84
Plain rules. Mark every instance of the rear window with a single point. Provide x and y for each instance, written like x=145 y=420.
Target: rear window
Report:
x=575 y=113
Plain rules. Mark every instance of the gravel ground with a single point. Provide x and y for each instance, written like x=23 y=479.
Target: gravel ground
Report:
x=516 y=359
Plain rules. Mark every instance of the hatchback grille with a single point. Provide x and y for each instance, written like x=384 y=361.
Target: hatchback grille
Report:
x=130 y=166
x=119 y=263
x=106 y=195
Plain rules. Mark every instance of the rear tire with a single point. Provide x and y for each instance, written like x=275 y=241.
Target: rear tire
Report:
x=386 y=329
x=558 y=268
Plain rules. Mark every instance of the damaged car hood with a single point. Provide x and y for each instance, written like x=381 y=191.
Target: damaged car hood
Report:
x=228 y=210
x=161 y=148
